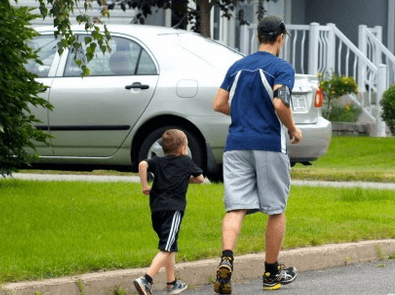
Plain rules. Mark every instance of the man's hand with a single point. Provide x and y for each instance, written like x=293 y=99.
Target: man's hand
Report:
x=295 y=135
x=146 y=190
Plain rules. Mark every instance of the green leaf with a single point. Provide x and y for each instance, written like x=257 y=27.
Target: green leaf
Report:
x=88 y=40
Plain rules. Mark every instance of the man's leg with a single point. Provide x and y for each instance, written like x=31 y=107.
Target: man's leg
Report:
x=241 y=195
x=275 y=274
x=230 y=230
x=274 y=237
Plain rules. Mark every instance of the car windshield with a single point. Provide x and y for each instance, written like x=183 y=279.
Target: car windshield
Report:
x=209 y=50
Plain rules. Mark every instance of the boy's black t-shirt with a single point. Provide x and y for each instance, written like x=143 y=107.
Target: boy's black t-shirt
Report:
x=171 y=181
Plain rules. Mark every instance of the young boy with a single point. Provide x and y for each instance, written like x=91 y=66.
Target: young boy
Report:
x=172 y=174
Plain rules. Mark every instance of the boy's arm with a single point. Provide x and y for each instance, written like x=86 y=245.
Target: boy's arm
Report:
x=143 y=168
x=197 y=179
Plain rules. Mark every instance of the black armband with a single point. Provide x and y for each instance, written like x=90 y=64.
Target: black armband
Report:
x=284 y=93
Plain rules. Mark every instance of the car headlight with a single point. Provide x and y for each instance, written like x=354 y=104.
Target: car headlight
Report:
x=299 y=103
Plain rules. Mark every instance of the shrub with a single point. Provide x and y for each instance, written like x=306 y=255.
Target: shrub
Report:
x=335 y=87
x=348 y=113
x=18 y=89
x=388 y=104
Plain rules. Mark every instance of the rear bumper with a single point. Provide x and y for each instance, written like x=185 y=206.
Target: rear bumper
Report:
x=315 y=141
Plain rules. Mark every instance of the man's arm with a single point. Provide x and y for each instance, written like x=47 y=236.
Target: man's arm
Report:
x=143 y=168
x=285 y=115
x=221 y=102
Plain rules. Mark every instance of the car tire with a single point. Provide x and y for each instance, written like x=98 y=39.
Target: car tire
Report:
x=151 y=146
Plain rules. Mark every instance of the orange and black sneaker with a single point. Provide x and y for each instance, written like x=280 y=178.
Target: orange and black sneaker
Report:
x=284 y=276
x=223 y=283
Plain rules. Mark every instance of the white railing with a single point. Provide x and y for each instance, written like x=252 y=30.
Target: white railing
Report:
x=370 y=43
x=315 y=48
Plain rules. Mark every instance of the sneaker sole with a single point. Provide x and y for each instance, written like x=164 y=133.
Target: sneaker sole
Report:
x=290 y=281
x=178 y=291
x=271 y=288
x=223 y=273
x=140 y=289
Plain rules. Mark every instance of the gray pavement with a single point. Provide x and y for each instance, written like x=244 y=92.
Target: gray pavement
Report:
x=375 y=278
x=73 y=177
x=108 y=178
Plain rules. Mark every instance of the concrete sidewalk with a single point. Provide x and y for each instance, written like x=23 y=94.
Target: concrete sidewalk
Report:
x=109 y=178
x=73 y=177
x=202 y=272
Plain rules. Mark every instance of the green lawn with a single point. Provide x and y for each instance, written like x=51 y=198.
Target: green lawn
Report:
x=348 y=159
x=51 y=229
x=353 y=159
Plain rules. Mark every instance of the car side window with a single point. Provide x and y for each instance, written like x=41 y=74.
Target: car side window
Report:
x=146 y=65
x=47 y=47
x=127 y=58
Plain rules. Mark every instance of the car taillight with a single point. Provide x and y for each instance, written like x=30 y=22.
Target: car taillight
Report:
x=319 y=97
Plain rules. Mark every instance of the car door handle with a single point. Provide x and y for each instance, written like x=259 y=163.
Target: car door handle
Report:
x=137 y=85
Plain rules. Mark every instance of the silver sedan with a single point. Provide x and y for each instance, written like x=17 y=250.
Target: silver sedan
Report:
x=155 y=78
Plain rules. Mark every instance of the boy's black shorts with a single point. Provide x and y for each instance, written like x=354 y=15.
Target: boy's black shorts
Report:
x=167 y=225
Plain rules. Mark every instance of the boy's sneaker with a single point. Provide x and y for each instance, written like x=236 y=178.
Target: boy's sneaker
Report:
x=143 y=286
x=224 y=273
x=284 y=276
x=177 y=287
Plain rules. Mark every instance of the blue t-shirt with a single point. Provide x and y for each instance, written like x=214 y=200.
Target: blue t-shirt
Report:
x=255 y=125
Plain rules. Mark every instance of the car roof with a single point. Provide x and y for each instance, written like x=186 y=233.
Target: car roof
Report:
x=139 y=31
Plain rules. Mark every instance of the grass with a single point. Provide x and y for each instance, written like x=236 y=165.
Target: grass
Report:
x=348 y=159
x=353 y=159
x=52 y=229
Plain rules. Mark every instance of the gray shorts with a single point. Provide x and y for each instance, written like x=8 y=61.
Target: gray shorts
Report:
x=256 y=181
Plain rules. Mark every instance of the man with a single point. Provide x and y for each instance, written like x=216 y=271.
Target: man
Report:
x=256 y=93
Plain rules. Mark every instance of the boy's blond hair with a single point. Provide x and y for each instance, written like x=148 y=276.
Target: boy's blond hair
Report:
x=173 y=140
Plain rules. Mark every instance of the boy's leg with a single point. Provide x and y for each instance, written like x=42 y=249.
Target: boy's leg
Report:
x=159 y=261
x=174 y=285
x=144 y=284
x=166 y=224
x=170 y=268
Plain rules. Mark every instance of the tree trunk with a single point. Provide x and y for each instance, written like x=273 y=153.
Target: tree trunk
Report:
x=204 y=12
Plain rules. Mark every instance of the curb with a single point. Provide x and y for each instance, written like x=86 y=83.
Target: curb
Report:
x=202 y=272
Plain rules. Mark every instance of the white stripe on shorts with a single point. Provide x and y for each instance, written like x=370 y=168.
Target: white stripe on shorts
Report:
x=175 y=224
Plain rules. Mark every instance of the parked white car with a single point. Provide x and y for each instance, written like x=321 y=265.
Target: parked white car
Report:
x=155 y=78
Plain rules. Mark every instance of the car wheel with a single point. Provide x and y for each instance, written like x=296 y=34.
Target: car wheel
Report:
x=152 y=146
